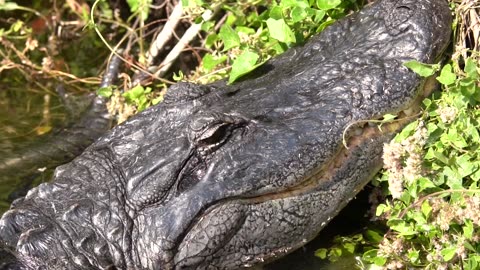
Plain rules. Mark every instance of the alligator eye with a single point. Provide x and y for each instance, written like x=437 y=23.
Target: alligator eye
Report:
x=215 y=134
x=210 y=132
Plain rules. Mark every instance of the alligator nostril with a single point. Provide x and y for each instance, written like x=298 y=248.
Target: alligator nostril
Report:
x=403 y=8
x=396 y=20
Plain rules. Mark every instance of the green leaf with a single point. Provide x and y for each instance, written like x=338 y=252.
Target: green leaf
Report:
x=424 y=183
x=134 y=94
x=447 y=76
x=210 y=40
x=209 y=62
x=142 y=7
x=468 y=229
x=229 y=37
x=157 y=100
x=298 y=14
x=388 y=117
x=373 y=236
x=401 y=226
x=467 y=87
x=381 y=208
x=426 y=209
x=294 y=3
x=441 y=157
x=454 y=137
x=16 y=26
x=467 y=166
x=319 y=15
x=372 y=257
x=105 y=91
x=454 y=180
x=178 y=77
x=334 y=254
x=413 y=255
x=8 y=6
x=280 y=31
x=406 y=132
x=242 y=65
x=328 y=4
x=321 y=253
x=470 y=247
x=246 y=30
x=421 y=69
x=418 y=217
x=472 y=263
x=349 y=247
x=276 y=13
x=471 y=68
x=206 y=26
x=142 y=103
x=448 y=253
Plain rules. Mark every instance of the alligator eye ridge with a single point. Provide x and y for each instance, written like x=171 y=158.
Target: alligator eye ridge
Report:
x=211 y=139
x=215 y=134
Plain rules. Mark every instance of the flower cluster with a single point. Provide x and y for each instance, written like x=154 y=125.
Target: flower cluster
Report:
x=403 y=160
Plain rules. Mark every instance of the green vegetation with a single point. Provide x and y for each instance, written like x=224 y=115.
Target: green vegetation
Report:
x=257 y=30
x=430 y=214
x=433 y=173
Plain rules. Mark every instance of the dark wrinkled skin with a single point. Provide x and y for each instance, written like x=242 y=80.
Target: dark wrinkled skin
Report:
x=223 y=177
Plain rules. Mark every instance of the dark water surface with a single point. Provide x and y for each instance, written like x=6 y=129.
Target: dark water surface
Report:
x=26 y=113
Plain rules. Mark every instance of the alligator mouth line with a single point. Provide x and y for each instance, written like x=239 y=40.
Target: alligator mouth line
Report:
x=366 y=133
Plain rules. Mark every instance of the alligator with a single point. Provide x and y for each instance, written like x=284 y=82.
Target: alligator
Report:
x=223 y=176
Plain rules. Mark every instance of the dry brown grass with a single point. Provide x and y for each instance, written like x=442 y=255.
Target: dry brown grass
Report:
x=467 y=29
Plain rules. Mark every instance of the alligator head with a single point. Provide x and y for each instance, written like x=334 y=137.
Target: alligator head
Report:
x=228 y=176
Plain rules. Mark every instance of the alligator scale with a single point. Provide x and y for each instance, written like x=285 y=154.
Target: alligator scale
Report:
x=229 y=176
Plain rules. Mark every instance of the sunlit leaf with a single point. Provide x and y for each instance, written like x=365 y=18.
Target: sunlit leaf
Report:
x=447 y=76
x=8 y=6
x=242 y=65
x=328 y=4
x=421 y=69
x=448 y=253
x=229 y=37
x=280 y=31
x=105 y=91
x=209 y=62
x=471 y=68
x=321 y=253
x=142 y=7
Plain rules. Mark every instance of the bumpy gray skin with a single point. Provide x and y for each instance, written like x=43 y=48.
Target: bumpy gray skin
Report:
x=224 y=177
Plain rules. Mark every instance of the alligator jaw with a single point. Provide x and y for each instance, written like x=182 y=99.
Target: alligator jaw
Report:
x=318 y=186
